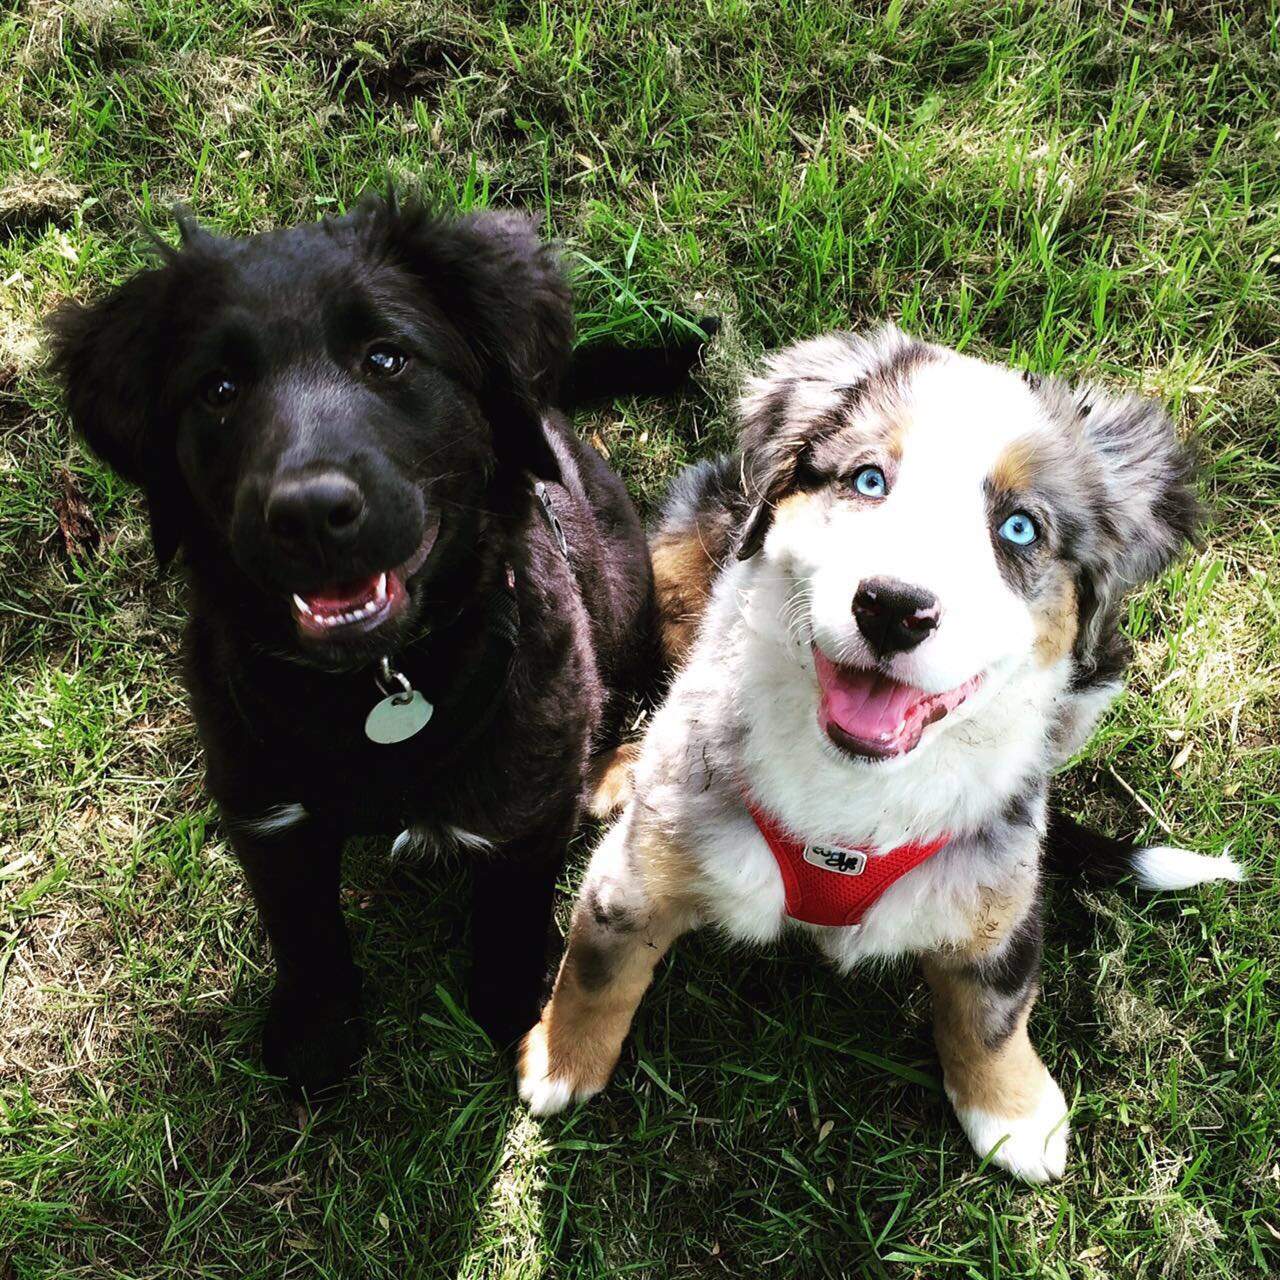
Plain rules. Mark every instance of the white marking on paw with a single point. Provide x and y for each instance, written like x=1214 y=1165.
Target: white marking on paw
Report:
x=542 y=1093
x=545 y=1097
x=1164 y=867
x=1032 y=1147
x=274 y=820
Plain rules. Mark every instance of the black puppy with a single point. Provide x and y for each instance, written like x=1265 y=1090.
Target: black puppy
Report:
x=414 y=594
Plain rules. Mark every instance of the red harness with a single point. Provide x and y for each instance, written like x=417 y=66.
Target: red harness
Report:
x=835 y=884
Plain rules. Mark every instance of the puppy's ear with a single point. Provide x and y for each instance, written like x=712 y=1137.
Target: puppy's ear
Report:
x=806 y=392
x=108 y=356
x=774 y=432
x=1144 y=508
x=501 y=285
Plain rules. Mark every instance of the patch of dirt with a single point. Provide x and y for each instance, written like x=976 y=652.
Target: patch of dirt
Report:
x=105 y=26
x=80 y=532
x=30 y=202
x=416 y=69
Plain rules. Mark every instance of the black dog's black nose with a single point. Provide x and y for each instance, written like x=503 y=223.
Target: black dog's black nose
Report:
x=318 y=511
x=894 y=616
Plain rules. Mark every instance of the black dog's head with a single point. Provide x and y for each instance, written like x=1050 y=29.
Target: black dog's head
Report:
x=317 y=413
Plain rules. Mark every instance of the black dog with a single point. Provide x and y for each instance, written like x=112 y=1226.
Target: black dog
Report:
x=414 y=594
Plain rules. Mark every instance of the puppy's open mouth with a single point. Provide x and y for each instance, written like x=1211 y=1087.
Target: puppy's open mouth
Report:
x=874 y=717
x=344 y=610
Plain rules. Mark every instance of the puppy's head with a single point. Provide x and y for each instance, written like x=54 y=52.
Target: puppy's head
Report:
x=936 y=530
x=319 y=412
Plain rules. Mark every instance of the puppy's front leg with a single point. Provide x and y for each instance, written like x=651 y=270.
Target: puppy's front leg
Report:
x=1004 y=1097
x=314 y=1030
x=629 y=912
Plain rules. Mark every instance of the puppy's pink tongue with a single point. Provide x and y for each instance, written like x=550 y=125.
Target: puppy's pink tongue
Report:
x=868 y=706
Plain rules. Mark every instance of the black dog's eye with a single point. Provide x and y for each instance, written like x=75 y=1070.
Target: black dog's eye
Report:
x=219 y=391
x=384 y=360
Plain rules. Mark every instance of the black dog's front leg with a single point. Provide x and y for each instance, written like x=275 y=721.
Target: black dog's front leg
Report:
x=314 y=1030
x=512 y=929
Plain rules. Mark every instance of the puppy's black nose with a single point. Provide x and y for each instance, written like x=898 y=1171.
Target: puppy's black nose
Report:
x=894 y=616
x=317 y=511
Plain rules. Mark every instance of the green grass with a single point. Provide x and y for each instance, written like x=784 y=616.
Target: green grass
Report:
x=1079 y=187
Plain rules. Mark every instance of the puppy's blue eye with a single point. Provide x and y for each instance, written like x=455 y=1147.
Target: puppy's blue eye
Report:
x=1020 y=529
x=870 y=482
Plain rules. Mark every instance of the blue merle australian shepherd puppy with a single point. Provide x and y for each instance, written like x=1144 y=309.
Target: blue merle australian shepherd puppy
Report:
x=898 y=611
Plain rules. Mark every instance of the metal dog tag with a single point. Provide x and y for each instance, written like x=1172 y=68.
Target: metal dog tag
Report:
x=399 y=715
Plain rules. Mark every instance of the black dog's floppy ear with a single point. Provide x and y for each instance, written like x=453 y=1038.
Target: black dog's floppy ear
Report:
x=1145 y=507
x=501 y=285
x=109 y=357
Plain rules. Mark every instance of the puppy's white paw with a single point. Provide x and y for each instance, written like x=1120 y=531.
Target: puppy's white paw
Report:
x=543 y=1093
x=1031 y=1147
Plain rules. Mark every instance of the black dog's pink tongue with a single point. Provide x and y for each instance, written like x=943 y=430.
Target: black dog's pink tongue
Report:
x=343 y=596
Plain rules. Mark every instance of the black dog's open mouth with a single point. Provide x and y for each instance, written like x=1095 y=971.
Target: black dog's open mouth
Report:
x=344 y=610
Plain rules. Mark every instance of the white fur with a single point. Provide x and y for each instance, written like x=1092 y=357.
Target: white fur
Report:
x=469 y=839
x=1164 y=867
x=1033 y=1147
x=1077 y=717
x=274 y=820
x=408 y=841
x=426 y=839
x=544 y=1094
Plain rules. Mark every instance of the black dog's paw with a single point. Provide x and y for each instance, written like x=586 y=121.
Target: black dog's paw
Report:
x=504 y=1012
x=314 y=1034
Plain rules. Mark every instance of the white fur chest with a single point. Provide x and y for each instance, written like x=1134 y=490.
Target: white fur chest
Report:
x=742 y=715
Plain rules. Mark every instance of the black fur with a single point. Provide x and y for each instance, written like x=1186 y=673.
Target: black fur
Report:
x=1018 y=961
x=443 y=454
x=1082 y=853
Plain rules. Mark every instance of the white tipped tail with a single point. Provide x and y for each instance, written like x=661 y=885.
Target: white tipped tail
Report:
x=1164 y=867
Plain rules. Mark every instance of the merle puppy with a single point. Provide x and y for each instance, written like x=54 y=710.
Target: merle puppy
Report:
x=412 y=590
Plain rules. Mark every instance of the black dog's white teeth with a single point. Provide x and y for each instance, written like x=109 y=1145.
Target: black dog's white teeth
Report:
x=348 y=615
x=334 y=617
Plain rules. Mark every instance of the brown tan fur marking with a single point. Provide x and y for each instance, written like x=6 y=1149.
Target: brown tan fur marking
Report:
x=994 y=920
x=980 y=1020
x=1007 y=1080
x=683 y=571
x=1014 y=471
x=620 y=931
x=609 y=780
x=1057 y=620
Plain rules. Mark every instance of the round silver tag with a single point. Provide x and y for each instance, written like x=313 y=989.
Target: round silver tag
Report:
x=397 y=717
